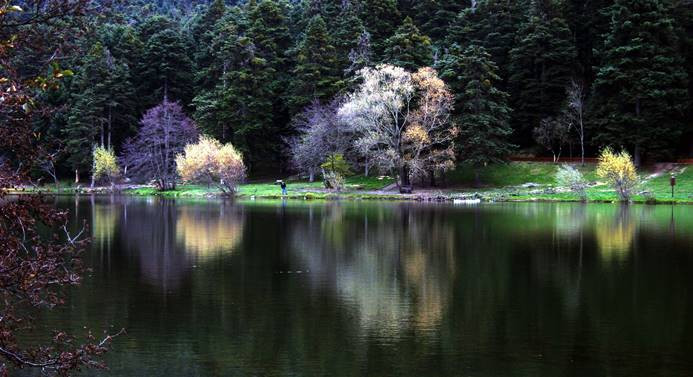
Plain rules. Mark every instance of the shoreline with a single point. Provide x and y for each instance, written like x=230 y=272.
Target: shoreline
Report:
x=498 y=195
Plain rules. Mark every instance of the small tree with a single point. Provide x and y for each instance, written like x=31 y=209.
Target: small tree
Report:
x=321 y=134
x=552 y=133
x=568 y=176
x=105 y=165
x=618 y=169
x=334 y=169
x=208 y=161
x=151 y=155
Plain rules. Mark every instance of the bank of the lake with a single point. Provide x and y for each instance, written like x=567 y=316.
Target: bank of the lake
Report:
x=517 y=181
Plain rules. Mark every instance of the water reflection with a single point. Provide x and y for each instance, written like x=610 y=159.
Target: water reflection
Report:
x=167 y=237
x=389 y=289
x=394 y=264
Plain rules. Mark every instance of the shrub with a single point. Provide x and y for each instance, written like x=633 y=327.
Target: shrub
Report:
x=105 y=164
x=618 y=169
x=568 y=176
x=208 y=161
x=334 y=169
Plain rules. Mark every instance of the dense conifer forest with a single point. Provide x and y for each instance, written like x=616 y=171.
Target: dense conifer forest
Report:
x=528 y=77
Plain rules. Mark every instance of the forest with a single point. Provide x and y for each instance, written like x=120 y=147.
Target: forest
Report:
x=276 y=78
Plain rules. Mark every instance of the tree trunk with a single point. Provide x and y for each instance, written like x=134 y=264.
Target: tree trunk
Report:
x=76 y=176
x=311 y=175
x=636 y=156
x=404 y=179
x=477 y=178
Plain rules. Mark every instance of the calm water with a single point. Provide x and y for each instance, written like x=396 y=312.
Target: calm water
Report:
x=217 y=288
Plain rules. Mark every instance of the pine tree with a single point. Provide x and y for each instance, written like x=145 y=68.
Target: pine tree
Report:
x=408 y=48
x=434 y=16
x=640 y=92
x=492 y=24
x=315 y=75
x=481 y=110
x=381 y=18
x=347 y=31
x=165 y=66
x=203 y=34
x=540 y=68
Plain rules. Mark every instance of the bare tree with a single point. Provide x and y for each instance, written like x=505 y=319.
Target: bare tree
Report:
x=552 y=133
x=322 y=134
x=151 y=155
x=575 y=113
x=47 y=165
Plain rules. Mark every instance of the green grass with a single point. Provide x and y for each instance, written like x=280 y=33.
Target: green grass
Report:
x=511 y=174
x=499 y=182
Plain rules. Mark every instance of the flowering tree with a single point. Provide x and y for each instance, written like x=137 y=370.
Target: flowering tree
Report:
x=619 y=170
x=402 y=121
x=321 y=135
x=151 y=155
x=209 y=161
x=105 y=165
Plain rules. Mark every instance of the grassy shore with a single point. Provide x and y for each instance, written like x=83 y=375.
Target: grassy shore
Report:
x=517 y=181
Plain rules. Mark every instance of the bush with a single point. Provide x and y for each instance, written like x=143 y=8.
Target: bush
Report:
x=618 y=169
x=105 y=164
x=334 y=169
x=568 y=176
x=208 y=161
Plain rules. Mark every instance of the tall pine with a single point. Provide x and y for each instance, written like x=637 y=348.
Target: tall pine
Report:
x=481 y=109
x=408 y=48
x=640 y=92
x=541 y=67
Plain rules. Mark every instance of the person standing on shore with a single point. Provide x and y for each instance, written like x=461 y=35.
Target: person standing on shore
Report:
x=282 y=184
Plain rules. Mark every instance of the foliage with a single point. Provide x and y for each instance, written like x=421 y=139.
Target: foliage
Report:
x=164 y=132
x=553 y=133
x=408 y=48
x=316 y=76
x=402 y=121
x=618 y=169
x=40 y=257
x=640 y=91
x=208 y=161
x=539 y=67
x=568 y=176
x=334 y=169
x=481 y=109
x=105 y=164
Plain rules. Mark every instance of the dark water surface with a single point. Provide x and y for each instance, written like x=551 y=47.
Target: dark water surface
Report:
x=217 y=288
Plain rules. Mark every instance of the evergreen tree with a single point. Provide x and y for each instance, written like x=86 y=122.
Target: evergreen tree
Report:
x=540 y=68
x=435 y=16
x=408 y=48
x=640 y=92
x=203 y=34
x=489 y=23
x=346 y=32
x=165 y=66
x=315 y=75
x=380 y=17
x=102 y=106
x=481 y=110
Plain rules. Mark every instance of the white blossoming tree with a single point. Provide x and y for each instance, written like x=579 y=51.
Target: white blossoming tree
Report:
x=402 y=121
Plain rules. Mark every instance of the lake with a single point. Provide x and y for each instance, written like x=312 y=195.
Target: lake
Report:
x=224 y=288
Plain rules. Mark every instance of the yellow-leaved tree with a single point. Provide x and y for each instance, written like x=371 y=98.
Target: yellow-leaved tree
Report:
x=618 y=169
x=208 y=161
x=105 y=165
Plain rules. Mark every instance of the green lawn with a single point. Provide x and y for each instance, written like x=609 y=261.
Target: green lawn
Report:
x=499 y=182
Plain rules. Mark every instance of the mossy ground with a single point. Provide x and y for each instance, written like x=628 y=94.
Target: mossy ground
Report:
x=503 y=182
